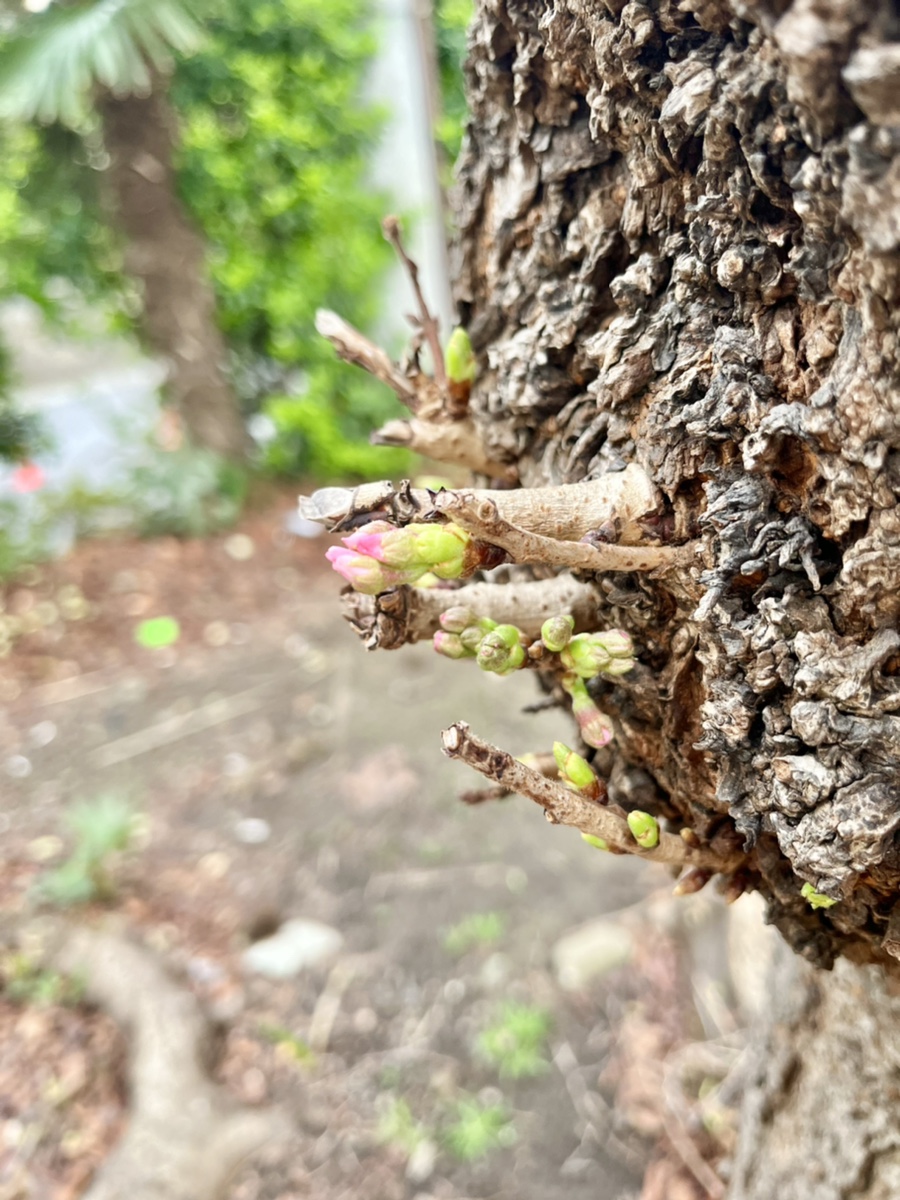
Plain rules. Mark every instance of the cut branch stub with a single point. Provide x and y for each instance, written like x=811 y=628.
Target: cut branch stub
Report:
x=566 y=807
x=457 y=443
x=410 y=614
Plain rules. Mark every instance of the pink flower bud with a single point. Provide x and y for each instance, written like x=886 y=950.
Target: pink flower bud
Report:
x=367 y=575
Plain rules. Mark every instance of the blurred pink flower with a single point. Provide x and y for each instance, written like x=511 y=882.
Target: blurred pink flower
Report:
x=28 y=477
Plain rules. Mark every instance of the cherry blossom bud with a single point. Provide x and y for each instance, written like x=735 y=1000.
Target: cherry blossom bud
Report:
x=597 y=842
x=589 y=654
x=596 y=728
x=501 y=650
x=458 y=618
x=556 y=632
x=644 y=829
x=450 y=646
x=574 y=771
x=366 y=574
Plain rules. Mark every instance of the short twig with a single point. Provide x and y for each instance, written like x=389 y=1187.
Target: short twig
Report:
x=409 y=614
x=354 y=347
x=565 y=807
x=429 y=324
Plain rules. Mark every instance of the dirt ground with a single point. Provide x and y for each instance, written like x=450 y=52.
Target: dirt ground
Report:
x=281 y=772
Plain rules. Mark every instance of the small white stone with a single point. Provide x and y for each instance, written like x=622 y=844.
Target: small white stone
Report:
x=252 y=831
x=42 y=734
x=240 y=547
x=18 y=766
x=421 y=1162
x=297 y=945
x=589 y=951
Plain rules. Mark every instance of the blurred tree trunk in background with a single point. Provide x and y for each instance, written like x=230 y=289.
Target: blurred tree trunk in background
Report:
x=679 y=230
x=165 y=254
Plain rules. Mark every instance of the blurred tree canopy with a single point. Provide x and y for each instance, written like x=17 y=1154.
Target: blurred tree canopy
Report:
x=274 y=141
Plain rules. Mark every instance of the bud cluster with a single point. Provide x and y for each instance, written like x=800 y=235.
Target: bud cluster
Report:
x=380 y=555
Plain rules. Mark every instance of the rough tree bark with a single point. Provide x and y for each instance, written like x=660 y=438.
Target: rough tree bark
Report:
x=165 y=254
x=680 y=247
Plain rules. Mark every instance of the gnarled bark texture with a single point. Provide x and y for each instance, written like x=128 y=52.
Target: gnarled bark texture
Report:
x=679 y=235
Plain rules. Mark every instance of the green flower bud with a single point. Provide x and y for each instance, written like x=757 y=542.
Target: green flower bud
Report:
x=450 y=645
x=459 y=360
x=574 y=771
x=456 y=619
x=556 y=632
x=587 y=654
x=472 y=637
x=644 y=829
x=595 y=841
x=500 y=650
x=816 y=899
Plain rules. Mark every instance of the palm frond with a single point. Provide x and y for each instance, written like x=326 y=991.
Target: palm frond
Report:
x=50 y=64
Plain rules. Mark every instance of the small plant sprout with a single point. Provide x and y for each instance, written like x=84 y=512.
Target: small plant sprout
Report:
x=556 y=632
x=644 y=829
x=477 y=1128
x=515 y=1041
x=596 y=728
x=477 y=929
x=575 y=772
x=398 y=1127
x=816 y=899
x=103 y=828
x=590 y=654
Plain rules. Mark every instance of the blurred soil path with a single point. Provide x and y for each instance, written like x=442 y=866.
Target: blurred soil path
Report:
x=284 y=775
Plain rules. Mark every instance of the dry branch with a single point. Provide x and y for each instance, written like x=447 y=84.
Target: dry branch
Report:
x=354 y=347
x=428 y=323
x=565 y=807
x=454 y=442
x=621 y=499
x=409 y=614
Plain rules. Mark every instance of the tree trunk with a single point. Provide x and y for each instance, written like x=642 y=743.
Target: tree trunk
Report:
x=165 y=254
x=679 y=232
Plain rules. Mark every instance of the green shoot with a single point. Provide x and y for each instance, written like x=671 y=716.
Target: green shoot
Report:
x=103 y=828
x=477 y=929
x=476 y=1129
x=515 y=1042
x=398 y=1127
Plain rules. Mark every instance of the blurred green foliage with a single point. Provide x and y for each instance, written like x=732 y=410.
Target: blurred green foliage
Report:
x=451 y=20
x=274 y=172
x=275 y=141
x=103 y=827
